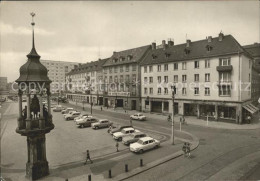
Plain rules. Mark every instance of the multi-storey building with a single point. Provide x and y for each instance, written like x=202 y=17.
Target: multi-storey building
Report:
x=212 y=78
x=85 y=82
x=3 y=83
x=57 y=71
x=254 y=51
x=122 y=77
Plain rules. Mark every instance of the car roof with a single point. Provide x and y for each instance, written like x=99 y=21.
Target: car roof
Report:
x=69 y=108
x=147 y=138
x=127 y=129
x=137 y=133
x=103 y=120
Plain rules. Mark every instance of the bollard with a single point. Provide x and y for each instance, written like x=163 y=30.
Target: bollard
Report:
x=89 y=177
x=126 y=168
x=109 y=173
x=141 y=162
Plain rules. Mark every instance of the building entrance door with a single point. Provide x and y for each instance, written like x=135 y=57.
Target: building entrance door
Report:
x=157 y=106
x=133 y=105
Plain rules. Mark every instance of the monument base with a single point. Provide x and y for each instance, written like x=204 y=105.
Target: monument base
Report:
x=37 y=170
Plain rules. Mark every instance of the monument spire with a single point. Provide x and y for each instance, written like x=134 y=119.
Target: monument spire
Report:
x=33 y=52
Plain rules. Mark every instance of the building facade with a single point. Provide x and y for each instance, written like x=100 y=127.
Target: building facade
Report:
x=56 y=72
x=212 y=78
x=254 y=51
x=85 y=83
x=122 y=75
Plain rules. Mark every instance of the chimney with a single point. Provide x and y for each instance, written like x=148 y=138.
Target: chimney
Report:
x=164 y=44
x=153 y=46
x=188 y=43
x=220 y=36
x=209 y=39
x=170 y=43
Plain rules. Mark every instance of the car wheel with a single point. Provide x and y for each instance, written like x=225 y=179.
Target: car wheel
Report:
x=141 y=151
x=67 y=119
x=157 y=146
x=96 y=127
x=120 y=139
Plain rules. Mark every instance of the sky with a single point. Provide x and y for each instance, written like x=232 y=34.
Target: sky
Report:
x=82 y=31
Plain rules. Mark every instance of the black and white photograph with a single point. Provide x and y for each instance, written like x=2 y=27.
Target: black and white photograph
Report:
x=130 y=90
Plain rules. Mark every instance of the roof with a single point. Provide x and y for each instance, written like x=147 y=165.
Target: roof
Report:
x=197 y=49
x=253 y=49
x=146 y=138
x=135 y=54
x=88 y=67
x=127 y=129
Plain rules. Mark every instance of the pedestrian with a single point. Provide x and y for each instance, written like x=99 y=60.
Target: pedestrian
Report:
x=169 y=118
x=188 y=149
x=109 y=129
x=117 y=145
x=183 y=119
x=248 y=119
x=101 y=108
x=184 y=149
x=88 y=158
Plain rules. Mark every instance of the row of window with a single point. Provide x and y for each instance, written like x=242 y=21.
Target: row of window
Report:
x=121 y=68
x=175 y=78
x=223 y=91
x=121 y=78
x=222 y=62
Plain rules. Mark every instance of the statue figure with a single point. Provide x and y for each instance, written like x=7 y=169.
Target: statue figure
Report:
x=35 y=106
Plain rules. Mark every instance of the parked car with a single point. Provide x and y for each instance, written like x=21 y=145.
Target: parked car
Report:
x=126 y=131
x=132 y=138
x=103 y=123
x=85 y=122
x=82 y=116
x=118 y=128
x=65 y=111
x=53 y=104
x=144 y=144
x=58 y=108
x=64 y=115
x=138 y=116
x=72 y=116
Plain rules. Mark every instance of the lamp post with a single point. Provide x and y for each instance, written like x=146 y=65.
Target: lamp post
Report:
x=173 y=94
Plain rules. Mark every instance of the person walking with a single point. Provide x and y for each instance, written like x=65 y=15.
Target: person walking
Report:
x=88 y=158
x=184 y=149
x=169 y=118
x=117 y=145
x=101 y=108
x=188 y=149
x=183 y=119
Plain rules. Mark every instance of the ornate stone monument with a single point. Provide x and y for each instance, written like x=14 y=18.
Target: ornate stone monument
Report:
x=35 y=120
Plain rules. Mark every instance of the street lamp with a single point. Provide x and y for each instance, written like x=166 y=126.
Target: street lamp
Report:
x=173 y=94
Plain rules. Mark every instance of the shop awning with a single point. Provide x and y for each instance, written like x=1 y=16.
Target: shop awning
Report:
x=251 y=108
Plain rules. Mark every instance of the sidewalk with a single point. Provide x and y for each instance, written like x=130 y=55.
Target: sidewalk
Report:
x=189 y=119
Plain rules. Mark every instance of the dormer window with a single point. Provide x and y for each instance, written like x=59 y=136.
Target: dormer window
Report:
x=209 y=48
x=129 y=57
x=115 y=60
x=187 y=51
x=121 y=59
x=154 y=56
x=167 y=55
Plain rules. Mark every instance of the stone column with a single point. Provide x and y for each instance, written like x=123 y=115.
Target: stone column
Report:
x=198 y=111
x=20 y=101
x=44 y=148
x=181 y=108
x=239 y=114
x=162 y=106
x=49 y=101
x=216 y=112
x=41 y=119
x=28 y=120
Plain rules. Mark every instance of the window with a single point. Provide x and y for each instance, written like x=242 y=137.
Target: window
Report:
x=121 y=68
x=150 y=68
x=196 y=77
x=159 y=91
x=224 y=90
x=133 y=67
x=159 y=79
x=150 y=79
x=207 y=64
x=224 y=61
x=145 y=90
x=207 y=91
x=145 y=69
x=184 y=66
x=159 y=68
x=175 y=78
x=166 y=79
x=165 y=91
x=127 y=68
x=224 y=77
x=184 y=91
x=110 y=69
x=127 y=78
x=207 y=77
x=165 y=67
x=145 y=80
x=175 y=66
x=116 y=79
x=184 y=78
x=134 y=77
x=196 y=64
x=151 y=90
x=121 y=78
x=196 y=91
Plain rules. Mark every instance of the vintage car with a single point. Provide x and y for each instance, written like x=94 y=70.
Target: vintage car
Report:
x=85 y=121
x=132 y=138
x=72 y=115
x=82 y=116
x=58 y=108
x=126 y=131
x=67 y=110
x=102 y=123
x=138 y=116
x=118 y=128
x=144 y=144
